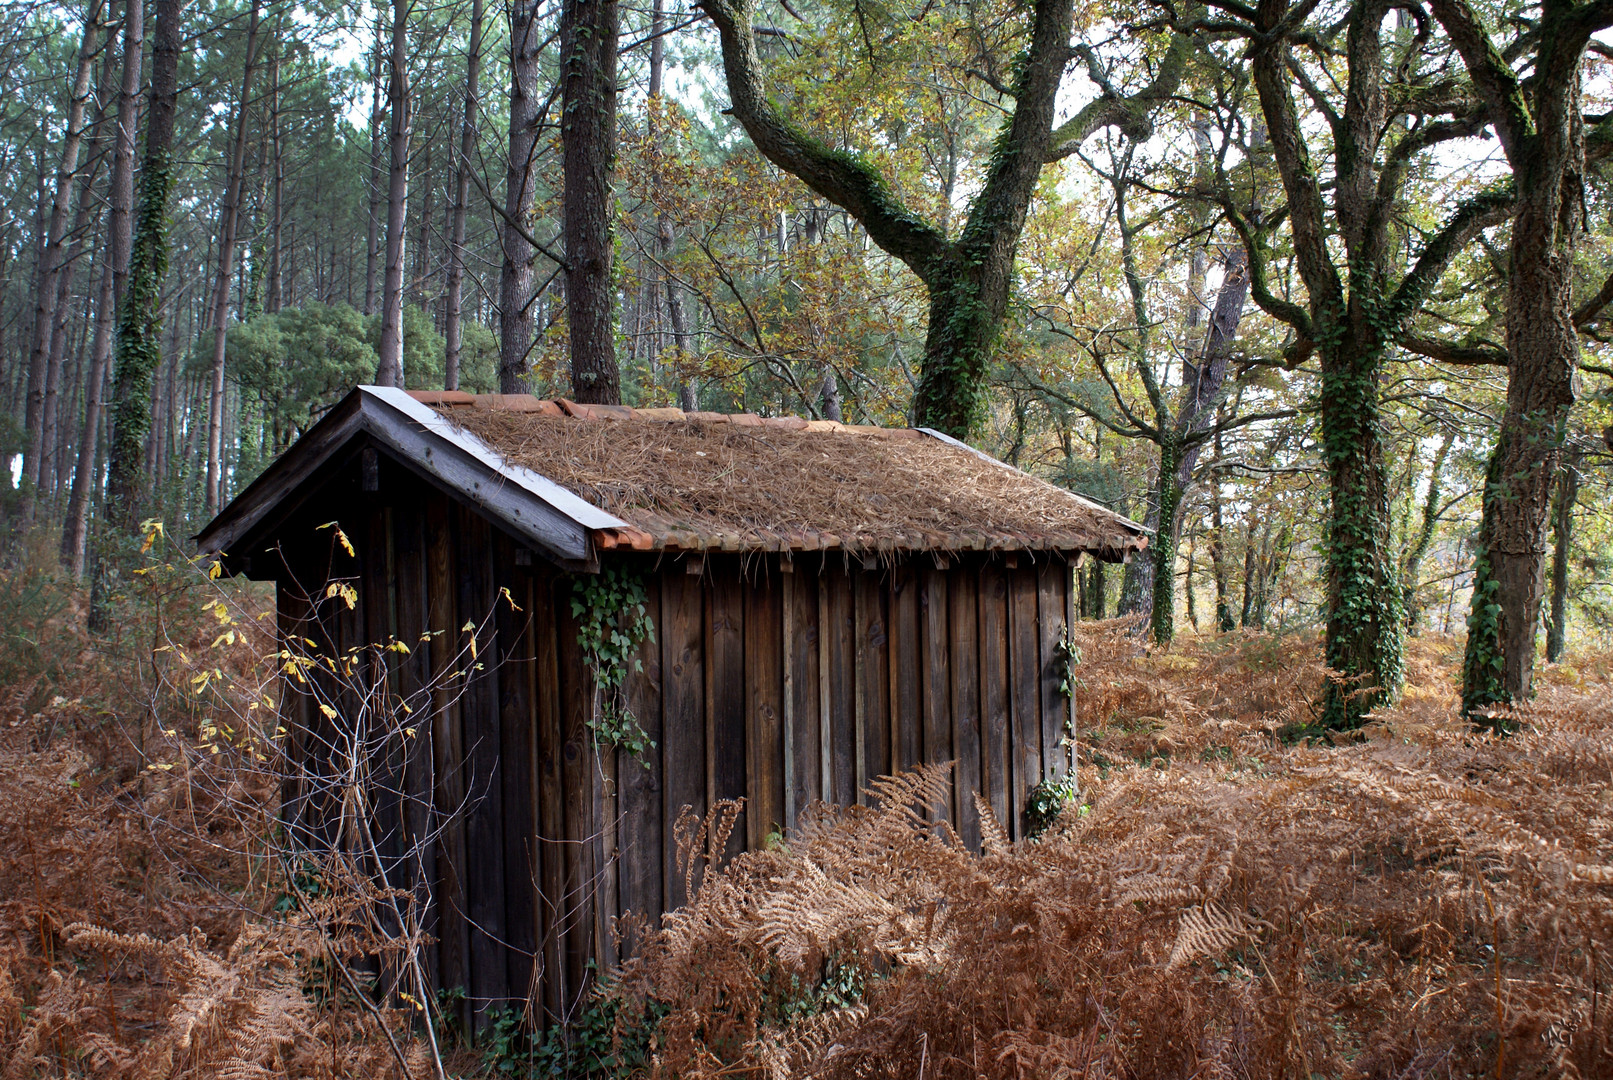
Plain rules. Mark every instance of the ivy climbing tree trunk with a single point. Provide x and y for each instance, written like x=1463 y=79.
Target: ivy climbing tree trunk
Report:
x=969 y=278
x=588 y=36
x=1540 y=127
x=1352 y=316
x=138 y=350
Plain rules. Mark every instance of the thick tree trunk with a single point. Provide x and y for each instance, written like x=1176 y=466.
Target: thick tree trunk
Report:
x=1365 y=622
x=453 y=332
x=588 y=142
x=52 y=262
x=1539 y=124
x=1562 y=551
x=1543 y=346
x=139 y=343
x=389 y=371
x=517 y=311
x=228 y=217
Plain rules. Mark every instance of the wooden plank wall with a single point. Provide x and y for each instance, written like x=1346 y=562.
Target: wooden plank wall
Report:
x=787 y=681
x=779 y=681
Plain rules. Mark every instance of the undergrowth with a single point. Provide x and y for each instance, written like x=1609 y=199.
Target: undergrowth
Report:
x=1232 y=901
x=1217 y=894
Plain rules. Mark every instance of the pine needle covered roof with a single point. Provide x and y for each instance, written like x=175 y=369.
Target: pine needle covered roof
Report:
x=712 y=481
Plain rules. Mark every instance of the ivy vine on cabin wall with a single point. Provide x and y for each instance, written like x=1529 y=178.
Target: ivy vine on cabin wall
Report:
x=613 y=624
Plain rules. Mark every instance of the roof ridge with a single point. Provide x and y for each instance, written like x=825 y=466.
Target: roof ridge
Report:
x=529 y=403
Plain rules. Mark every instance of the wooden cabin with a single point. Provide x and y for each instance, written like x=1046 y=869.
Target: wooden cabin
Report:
x=830 y=603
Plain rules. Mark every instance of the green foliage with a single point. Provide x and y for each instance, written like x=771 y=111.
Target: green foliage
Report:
x=607 y=1042
x=614 y=623
x=1045 y=802
x=424 y=351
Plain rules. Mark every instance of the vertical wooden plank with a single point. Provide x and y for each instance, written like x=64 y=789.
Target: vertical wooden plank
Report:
x=994 y=690
x=826 y=783
x=764 y=739
x=1070 y=577
x=576 y=903
x=484 y=818
x=859 y=705
x=603 y=849
x=296 y=708
x=1050 y=590
x=1024 y=699
x=907 y=713
x=640 y=792
x=787 y=684
x=838 y=629
x=517 y=763
x=683 y=715
x=551 y=828
x=375 y=670
x=933 y=655
x=414 y=681
x=448 y=749
x=964 y=657
x=806 y=700
x=725 y=681
x=873 y=674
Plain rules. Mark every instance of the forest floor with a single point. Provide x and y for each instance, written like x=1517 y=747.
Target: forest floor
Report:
x=1221 y=899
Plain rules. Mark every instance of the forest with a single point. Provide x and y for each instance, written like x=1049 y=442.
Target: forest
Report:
x=1320 y=291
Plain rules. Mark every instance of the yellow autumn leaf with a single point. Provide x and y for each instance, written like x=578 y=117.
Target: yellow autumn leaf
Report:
x=328 y=711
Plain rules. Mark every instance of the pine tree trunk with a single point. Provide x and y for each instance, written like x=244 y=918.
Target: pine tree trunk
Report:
x=588 y=38
x=229 y=217
x=372 y=231
x=139 y=343
x=273 y=290
x=452 y=330
x=665 y=235
x=517 y=310
x=389 y=372
x=52 y=262
x=76 y=525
